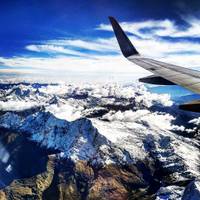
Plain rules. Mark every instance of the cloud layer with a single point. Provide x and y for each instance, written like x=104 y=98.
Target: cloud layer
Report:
x=160 y=39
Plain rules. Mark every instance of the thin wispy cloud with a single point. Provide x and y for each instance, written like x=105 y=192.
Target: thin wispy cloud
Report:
x=47 y=48
x=99 y=44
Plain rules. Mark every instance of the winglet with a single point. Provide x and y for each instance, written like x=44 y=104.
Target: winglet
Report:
x=125 y=44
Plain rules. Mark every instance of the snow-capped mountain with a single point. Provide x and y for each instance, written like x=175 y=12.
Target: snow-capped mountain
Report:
x=128 y=127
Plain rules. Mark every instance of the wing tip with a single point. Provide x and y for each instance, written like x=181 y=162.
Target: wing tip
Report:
x=111 y=18
x=125 y=44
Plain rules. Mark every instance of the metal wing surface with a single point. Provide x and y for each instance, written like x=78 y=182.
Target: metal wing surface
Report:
x=185 y=77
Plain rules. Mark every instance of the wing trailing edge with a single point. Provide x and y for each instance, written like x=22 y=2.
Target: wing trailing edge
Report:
x=157 y=80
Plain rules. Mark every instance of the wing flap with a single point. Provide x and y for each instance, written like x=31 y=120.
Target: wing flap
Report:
x=193 y=106
x=158 y=80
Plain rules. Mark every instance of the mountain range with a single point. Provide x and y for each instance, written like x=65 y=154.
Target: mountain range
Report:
x=66 y=141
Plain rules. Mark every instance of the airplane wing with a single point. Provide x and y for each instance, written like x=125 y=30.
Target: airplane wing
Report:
x=164 y=73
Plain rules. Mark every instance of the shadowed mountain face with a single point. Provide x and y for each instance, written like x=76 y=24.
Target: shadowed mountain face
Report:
x=22 y=157
x=95 y=142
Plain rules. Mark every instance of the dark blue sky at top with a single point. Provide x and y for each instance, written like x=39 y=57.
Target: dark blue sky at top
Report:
x=26 y=22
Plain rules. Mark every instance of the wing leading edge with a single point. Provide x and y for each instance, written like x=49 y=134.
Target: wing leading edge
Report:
x=164 y=73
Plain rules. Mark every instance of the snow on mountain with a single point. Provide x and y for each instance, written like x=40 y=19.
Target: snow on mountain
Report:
x=170 y=192
x=143 y=127
x=21 y=97
x=78 y=140
x=64 y=109
x=10 y=120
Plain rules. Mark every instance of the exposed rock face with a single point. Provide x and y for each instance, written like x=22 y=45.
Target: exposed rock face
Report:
x=28 y=169
x=81 y=181
x=31 y=188
x=78 y=181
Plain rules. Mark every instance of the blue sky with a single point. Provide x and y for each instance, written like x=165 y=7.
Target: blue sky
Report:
x=71 y=37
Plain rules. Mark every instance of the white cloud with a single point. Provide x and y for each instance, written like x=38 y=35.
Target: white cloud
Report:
x=148 y=99
x=126 y=116
x=153 y=119
x=16 y=105
x=53 y=49
x=195 y=121
x=75 y=64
